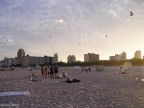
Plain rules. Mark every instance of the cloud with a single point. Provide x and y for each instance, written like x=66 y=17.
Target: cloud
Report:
x=113 y=13
x=115 y=0
x=7 y=44
x=60 y=21
x=126 y=1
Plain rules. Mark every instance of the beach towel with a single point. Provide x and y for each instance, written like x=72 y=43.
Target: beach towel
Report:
x=22 y=93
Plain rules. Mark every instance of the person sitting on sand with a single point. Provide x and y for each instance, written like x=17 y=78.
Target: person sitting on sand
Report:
x=120 y=69
x=31 y=79
x=59 y=76
x=64 y=75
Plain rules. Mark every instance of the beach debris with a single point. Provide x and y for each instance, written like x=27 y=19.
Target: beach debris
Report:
x=140 y=98
x=82 y=92
x=22 y=93
x=142 y=79
x=136 y=78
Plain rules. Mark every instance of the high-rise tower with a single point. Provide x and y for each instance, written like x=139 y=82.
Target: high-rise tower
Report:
x=20 y=53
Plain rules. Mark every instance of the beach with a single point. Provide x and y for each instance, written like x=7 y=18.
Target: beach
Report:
x=96 y=89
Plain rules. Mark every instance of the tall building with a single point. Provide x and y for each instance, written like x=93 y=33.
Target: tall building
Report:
x=55 y=58
x=123 y=56
x=91 y=57
x=137 y=54
x=71 y=59
x=20 y=53
x=118 y=57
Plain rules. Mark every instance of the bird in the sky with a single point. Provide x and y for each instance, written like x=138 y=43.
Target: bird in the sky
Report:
x=50 y=36
x=106 y=36
x=79 y=44
x=6 y=38
x=131 y=13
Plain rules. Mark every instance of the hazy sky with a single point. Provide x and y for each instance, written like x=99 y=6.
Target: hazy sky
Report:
x=43 y=27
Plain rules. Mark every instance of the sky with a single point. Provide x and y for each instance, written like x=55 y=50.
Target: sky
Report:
x=71 y=27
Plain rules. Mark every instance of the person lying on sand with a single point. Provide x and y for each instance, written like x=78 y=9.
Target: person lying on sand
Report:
x=31 y=79
x=71 y=80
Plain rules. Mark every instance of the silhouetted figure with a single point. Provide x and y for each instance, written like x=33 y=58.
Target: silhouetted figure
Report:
x=42 y=70
x=82 y=68
x=89 y=69
x=55 y=71
x=51 y=71
x=86 y=69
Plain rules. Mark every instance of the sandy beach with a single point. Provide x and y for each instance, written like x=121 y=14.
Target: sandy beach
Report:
x=97 y=89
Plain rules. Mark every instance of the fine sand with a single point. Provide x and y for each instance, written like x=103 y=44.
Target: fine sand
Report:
x=97 y=89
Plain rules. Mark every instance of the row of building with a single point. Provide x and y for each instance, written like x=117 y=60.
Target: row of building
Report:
x=26 y=60
x=122 y=56
x=92 y=57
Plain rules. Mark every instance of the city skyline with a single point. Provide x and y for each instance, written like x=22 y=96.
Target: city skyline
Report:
x=45 y=27
x=123 y=56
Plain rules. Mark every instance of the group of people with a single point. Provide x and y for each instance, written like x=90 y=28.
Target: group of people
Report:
x=89 y=69
x=51 y=71
x=86 y=69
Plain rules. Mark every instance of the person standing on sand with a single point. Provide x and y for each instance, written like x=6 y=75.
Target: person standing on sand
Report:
x=55 y=71
x=45 y=71
x=42 y=70
x=120 y=69
x=51 y=71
